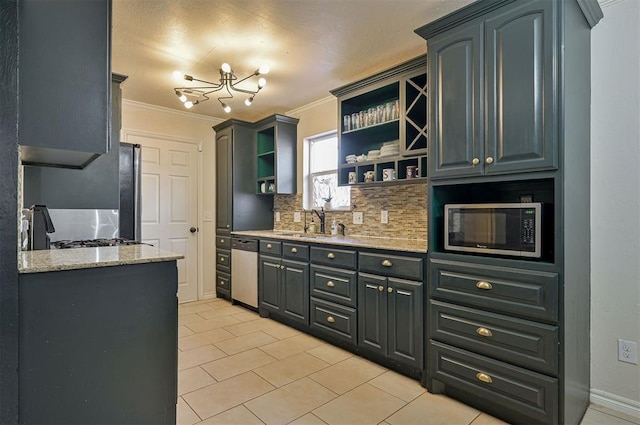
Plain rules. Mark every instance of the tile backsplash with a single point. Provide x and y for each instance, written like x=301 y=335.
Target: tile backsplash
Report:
x=406 y=204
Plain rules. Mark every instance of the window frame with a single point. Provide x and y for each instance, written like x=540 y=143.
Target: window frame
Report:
x=308 y=186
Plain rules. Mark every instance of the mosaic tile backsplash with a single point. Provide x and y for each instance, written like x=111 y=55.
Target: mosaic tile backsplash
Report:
x=406 y=204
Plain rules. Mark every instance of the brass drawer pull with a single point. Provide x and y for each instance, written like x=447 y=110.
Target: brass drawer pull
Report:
x=380 y=288
x=294 y=250
x=330 y=319
x=331 y=256
x=483 y=285
x=484 y=332
x=389 y=289
x=269 y=246
x=484 y=378
x=330 y=284
x=387 y=263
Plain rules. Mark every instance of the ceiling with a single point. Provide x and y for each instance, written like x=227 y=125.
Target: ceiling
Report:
x=310 y=46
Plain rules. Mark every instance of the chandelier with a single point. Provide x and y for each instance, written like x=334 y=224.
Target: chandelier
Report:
x=194 y=95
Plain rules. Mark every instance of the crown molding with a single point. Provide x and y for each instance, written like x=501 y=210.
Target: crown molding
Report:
x=155 y=108
x=314 y=104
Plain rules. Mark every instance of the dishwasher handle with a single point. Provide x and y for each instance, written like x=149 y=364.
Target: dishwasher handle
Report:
x=244 y=244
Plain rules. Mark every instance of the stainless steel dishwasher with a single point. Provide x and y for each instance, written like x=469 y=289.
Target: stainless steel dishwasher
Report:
x=244 y=271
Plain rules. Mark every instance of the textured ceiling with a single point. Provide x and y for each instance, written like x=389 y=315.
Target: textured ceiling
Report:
x=311 y=46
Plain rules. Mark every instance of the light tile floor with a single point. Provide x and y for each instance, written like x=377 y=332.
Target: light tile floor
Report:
x=237 y=368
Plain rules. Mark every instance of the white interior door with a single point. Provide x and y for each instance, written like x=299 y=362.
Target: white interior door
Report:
x=170 y=204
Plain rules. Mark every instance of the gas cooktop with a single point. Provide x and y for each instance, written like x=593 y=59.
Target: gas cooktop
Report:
x=93 y=243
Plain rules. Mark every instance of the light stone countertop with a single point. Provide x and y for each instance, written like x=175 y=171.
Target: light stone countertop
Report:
x=51 y=260
x=406 y=245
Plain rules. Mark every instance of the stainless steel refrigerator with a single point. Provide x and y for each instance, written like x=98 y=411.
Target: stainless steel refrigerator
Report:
x=130 y=193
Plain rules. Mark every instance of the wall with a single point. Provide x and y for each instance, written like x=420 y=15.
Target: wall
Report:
x=8 y=212
x=406 y=204
x=163 y=121
x=615 y=202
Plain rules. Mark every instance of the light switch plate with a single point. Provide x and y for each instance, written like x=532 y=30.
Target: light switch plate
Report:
x=207 y=216
x=277 y=215
x=357 y=218
x=296 y=217
x=384 y=217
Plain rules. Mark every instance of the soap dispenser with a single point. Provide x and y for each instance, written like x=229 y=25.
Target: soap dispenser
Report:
x=312 y=226
x=334 y=228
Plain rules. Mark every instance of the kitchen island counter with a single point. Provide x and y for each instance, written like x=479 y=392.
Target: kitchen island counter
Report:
x=52 y=260
x=395 y=244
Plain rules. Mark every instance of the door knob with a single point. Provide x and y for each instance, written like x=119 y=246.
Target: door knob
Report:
x=193 y=229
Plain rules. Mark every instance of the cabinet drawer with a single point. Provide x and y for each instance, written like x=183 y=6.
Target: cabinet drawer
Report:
x=528 y=293
x=270 y=247
x=223 y=261
x=334 y=320
x=518 y=341
x=334 y=285
x=223 y=241
x=411 y=268
x=223 y=284
x=511 y=389
x=334 y=257
x=295 y=251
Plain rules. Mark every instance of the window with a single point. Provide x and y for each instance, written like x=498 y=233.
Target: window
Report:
x=323 y=174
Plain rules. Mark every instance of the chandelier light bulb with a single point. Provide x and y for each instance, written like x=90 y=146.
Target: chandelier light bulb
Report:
x=264 y=69
x=261 y=83
x=188 y=105
x=248 y=101
x=178 y=75
x=226 y=68
x=182 y=98
x=226 y=108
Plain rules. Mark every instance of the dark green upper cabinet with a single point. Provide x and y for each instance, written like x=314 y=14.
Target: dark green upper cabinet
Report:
x=276 y=155
x=503 y=62
x=224 y=190
x=65 y=81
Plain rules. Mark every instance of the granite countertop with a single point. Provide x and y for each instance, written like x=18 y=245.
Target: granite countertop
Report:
x=395 y=244
x=51 y=260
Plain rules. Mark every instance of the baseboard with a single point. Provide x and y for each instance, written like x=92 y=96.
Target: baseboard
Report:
x=614 y=402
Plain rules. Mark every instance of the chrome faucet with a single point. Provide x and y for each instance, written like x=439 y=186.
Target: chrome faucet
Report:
x=321 y=215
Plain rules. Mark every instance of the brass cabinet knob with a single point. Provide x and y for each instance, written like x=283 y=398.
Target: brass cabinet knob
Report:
x=282 y=266
x=330 y=255
x=475 y=161
x=227 y=226
x=380 y=288
x=330 y=284
x=221 y=240
x=330 y=319
x=222 y=259
x=484 y=332
x=489 y=160
x=222 y=283
x=389 y=289
x=387 y=263
x=269 y=246
x=483 y=285
x=294 y=250
x=484 y=378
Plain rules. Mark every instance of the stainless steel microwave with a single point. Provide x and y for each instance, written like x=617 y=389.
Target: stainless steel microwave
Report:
x=512 y=229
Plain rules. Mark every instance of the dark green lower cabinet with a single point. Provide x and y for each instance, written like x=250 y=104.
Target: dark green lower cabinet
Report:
x=390 y=318
x=284 y=288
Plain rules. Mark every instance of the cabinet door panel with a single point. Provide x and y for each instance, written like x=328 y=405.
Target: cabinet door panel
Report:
x=456 y=118
x=269 y=287
x=520 y=75
x=372 y=312
x=295 y=291
x=223 y=177
x=405 y=321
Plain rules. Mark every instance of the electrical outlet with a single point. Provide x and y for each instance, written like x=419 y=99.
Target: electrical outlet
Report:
x=277 y=216
x=208 y=216
x=296 y=217
x=357 y=218
x=384 y=217
x=627 y=351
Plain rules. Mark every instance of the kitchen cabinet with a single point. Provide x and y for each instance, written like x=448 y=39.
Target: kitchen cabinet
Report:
x=284 y=283
x=493 y=91
x=386 y=107
x=65 y=81
x=99 y=345
x=276 y=155
x=334 y=293
x=96 y=186
x=390 y=309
